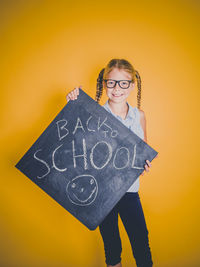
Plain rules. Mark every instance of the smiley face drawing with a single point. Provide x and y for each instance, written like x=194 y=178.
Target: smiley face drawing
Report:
x=82 y=190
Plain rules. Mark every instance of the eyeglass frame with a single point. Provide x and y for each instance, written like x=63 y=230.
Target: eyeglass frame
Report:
x=117 y=82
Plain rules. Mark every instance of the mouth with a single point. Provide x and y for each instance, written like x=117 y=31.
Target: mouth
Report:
x=85 y=200
x=116 y=95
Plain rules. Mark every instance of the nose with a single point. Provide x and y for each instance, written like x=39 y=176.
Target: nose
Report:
x=117 y=87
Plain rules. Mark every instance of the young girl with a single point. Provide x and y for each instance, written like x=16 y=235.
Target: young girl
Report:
x=118 y=79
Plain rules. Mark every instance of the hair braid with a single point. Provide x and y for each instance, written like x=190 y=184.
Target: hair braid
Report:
x=99 y=87
x=137 y=75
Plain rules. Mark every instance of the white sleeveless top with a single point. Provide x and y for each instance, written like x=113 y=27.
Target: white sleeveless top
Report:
x=132 y=121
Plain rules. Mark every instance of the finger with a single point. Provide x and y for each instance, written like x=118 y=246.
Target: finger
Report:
x=148 y=162
x=77 y=92
x=146 y=168
x=70 y=96
x=67 y=97
x=73 y=94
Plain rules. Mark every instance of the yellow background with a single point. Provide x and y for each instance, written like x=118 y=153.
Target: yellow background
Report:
x=49 y=47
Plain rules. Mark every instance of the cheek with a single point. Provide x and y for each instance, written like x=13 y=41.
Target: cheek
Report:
x=129 y=91
x=108 y=92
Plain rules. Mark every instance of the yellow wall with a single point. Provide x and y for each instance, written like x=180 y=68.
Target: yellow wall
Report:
x=49 y=47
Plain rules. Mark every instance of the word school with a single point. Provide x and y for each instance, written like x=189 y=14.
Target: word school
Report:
x=122 y=155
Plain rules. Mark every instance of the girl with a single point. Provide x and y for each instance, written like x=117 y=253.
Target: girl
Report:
x=118 y=79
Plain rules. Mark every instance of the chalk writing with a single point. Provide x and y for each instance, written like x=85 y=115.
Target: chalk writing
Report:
x=114 y=159
x=82 y=190
x=101 y=126
x=106 y=156
x=53 y=160
x=109 y=155
x=78 y=125
x=90 y=130
x=62 y=128
x=134 y=157
x=84 y=155
x=42 y=161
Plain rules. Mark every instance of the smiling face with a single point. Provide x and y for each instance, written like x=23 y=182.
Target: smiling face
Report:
x=82 y=190
x=117 y=94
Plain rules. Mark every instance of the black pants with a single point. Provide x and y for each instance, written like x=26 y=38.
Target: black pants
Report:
x=130 y=210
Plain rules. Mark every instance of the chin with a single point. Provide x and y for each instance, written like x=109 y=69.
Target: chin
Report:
x=117 y=100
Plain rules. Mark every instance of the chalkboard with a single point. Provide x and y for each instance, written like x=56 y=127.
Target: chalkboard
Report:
x=86 y=160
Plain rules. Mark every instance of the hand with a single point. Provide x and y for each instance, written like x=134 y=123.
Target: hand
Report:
x=73 y=94
x=148 y=165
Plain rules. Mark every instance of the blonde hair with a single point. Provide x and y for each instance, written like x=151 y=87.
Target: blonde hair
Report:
x=121 y=64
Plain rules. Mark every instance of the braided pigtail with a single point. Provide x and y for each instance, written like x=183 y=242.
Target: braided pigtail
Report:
x=137 y=75
x=99 y=88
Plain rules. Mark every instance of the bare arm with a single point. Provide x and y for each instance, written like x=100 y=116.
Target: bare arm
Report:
x=143 y=124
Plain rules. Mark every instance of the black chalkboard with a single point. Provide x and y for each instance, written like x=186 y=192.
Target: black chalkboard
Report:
x=86 y=160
